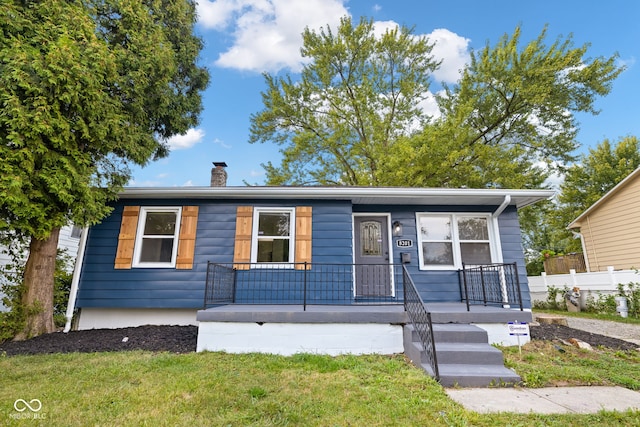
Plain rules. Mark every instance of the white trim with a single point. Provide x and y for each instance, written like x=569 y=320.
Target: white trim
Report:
x=144 y=210
x=357 y=195
x=75 y=280
x=492 y=230
x=389 y=245
x=292 y=236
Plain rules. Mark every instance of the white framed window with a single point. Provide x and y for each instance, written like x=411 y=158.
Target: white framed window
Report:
x=449 y=240
x=76 y=232
x=273 y=236
x=156 y=244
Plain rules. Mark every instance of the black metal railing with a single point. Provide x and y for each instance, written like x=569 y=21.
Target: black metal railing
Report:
x=493 y=284
x=420 y=317
x=303 y=284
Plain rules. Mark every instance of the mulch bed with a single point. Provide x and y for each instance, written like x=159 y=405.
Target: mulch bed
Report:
x=182 y=339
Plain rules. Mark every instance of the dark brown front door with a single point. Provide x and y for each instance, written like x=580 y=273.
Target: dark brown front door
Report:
x=373 y=272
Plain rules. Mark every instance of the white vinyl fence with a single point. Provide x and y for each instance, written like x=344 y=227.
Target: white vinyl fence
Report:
x=604 y=282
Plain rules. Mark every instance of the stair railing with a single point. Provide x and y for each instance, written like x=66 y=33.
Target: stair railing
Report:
x=420 y=317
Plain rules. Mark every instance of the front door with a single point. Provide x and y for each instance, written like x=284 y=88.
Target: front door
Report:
x=371 y=246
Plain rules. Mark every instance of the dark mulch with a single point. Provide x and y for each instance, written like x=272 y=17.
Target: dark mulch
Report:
x=561 y=332
x=174 y=339
x=182 y=339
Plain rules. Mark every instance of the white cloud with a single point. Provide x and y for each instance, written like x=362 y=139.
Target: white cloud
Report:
x=189 y=183
x=187 y=140
x=267 y=33
x=221 y=143
x=255 y=173
x=454 y=52
x=430 y=106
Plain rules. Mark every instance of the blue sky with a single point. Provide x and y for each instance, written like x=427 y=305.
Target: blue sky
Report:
x=244 y=38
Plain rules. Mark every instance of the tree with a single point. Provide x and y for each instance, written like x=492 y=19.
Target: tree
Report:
x=86 y=88
x=343 y=117
x=588 y=180
x=507 y=122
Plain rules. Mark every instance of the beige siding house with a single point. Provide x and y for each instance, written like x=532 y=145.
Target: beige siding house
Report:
x=610 y=228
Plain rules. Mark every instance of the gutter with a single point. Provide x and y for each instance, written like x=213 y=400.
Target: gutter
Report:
x=76 y=279
x=503 y=206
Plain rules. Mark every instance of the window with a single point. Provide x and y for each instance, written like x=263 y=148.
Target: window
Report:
x=450 y=240
x=157 y=237
x=273 y=234
x=76 y=232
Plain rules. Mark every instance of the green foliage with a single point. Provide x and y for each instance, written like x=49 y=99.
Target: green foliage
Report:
x=354 y=117
x=87 y=88
x=544 y=225
x=601 y=303
x=552 y=302
x=340 y=122
x=12 y=287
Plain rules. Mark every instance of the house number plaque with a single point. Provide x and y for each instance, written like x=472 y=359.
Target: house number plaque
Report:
x=404 y=243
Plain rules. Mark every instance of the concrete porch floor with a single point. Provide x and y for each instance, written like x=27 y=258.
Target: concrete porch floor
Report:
x=447 y=312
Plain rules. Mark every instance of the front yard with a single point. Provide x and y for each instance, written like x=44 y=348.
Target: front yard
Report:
x=147 y=388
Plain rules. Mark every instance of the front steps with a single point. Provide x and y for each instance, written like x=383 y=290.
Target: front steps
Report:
x=465 y=358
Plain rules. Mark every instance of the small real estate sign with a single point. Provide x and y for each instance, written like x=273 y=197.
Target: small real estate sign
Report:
x=517 y=328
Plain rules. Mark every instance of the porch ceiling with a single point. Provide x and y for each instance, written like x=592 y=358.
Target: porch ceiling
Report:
x=357 y=195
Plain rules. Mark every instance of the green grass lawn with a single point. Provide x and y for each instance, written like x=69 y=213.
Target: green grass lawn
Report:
x=588 y=315
x=212 y=389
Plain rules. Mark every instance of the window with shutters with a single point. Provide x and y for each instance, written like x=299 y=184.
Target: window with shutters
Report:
x=447 y=241
x=273 y=235
x=156 y=242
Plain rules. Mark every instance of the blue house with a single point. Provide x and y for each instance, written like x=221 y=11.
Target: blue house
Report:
x=320 y=269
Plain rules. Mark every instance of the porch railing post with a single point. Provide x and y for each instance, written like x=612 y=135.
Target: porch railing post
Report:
x=515 y=273
x=304 y=304
x=466 y=287
x=484 y=290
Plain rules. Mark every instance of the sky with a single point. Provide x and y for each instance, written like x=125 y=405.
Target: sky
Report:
x=245 y=38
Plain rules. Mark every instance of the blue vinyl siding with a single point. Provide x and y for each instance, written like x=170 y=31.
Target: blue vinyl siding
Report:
x=103 y=286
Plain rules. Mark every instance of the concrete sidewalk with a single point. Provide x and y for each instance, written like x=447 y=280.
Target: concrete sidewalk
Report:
x=550 y=400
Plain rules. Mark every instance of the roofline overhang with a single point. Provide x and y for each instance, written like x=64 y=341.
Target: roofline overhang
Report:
x=357 y=195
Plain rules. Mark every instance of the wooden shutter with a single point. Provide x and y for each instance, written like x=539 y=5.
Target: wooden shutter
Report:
x=187 y=238
x=303 y=236
x=127 y=237
x=242 y=250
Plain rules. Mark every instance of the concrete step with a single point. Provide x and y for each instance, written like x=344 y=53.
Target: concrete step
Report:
x=468 y=353
x=461 y=375
x=459 y=332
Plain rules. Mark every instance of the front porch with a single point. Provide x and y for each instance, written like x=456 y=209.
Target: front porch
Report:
x=304 y=310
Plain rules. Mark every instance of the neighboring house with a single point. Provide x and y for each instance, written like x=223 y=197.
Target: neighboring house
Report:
x=320 y=269
x=68 y=242
x=610 y=228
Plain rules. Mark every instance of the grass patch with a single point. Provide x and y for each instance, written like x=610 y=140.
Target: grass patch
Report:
x=544 y=364
x=161 y=389
x=591 y=315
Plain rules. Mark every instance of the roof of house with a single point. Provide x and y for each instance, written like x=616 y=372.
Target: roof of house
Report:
x=357 y=195
x=603 y=199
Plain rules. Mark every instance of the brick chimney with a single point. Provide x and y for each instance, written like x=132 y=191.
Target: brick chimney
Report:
x=219 y=175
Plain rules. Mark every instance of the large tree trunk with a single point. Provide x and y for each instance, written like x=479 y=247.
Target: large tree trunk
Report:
x=37 y=300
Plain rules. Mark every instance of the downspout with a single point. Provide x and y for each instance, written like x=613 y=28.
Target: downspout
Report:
x=496 y=238
x=496 y=233
x=503 y=206
x=584 y=250
x=76 y=279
